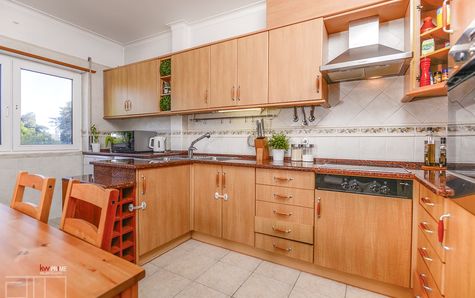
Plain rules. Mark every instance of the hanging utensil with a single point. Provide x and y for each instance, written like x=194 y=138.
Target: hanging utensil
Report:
x=312 y=114
x=304 y=122
x=296 y=116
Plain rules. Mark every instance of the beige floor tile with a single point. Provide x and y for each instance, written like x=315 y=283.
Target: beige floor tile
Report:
x=278 y=272
x=320 y=285
x=224 y=277
x=259 y=286
x=303 y=293
x=210 y=251
x=197 y=290
x=191 y=265
x=190 y=244
x=150 y=269
x=169 y=257
x=162 y=284
x=352 y=292
x=242 y=261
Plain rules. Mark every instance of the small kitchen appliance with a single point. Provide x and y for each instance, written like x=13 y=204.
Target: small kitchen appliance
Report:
x=132 y=141
x=157 y=144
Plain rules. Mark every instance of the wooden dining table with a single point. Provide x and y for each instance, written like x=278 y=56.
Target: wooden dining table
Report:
x=38 y=260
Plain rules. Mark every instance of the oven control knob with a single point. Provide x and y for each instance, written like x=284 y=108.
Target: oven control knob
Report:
x=345 y=185
x=354 y=186
x=374 y=187
x=385 y=189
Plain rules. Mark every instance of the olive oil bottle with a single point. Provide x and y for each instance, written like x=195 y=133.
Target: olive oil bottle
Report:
x=443 y=153
x=429 y=150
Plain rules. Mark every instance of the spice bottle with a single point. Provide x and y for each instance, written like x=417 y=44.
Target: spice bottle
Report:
x=443 y=153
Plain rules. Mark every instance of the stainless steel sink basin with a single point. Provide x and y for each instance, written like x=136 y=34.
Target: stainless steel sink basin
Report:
x=196 y=157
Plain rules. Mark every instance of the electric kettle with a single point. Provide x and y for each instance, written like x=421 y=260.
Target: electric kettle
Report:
x=158 y=144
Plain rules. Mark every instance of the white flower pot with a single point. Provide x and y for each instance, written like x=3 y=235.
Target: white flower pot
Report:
x=96 y=147
x=278 y=155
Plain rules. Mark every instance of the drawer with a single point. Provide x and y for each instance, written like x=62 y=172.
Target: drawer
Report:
x=288 y=230
x=286 y=213
x=286 y=195
x=428 y=227
x=297 y=179
x=285 y=247
x=432 y=261
x=425 y=279
x=431 y=202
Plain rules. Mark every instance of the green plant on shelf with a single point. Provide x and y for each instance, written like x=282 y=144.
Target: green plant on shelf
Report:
x=279 y=141
x=165 y=67
x=165 y=103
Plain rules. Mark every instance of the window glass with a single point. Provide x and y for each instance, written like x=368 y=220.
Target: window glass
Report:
x=46 y=109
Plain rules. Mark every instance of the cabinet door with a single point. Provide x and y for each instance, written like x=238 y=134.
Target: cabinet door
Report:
x=143 y=85
x=223 y=74
x=115 y=92
x=239 y=208
x=190 y=79
x=365 y=235
x=166 y=191
x=295 y=57
x=462 y=14
x=253 y=70
x=207 y=209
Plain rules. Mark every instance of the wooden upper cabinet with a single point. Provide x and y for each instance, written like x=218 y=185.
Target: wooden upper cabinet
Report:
x=253 y=69
x=462 y=14
x=115 y=92
x=285 y=12
x=191 y=79
x=223 y=74
x=295 y=57
x=143 y=87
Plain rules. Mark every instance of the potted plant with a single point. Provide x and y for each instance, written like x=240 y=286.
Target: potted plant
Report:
x=95 y=145
x=279 y=144
x=165 y=103
x=165 y=67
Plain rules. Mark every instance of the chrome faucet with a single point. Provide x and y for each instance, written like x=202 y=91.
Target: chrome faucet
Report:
x=192 y=145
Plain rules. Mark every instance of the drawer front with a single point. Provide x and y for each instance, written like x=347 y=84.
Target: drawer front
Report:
x=286 y=213
x=285 y=247
x=297 y=179
x=285 y=195
x=288 y=230
x=432 y=260
x=425 y=279
x=428 y=226
x=431 y=202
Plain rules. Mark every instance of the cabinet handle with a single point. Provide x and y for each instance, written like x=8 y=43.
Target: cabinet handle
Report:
x=142 y=206
x=424 y=226
x=144 y=185
x=317 y=82
x=125 y=105
x=289 y=249
x=277 y=196
x=318 y=207
x=445 y=18
x=217 y=196
x=427 y=202
x=239 y=93
x=232 y=93
x=217 y=179
x=424 y=254
x=282 y=213
x=423 y=281
x=277 y=229
x=224 y=180
x=441 y=230
x=130 y=105
x=283 y=178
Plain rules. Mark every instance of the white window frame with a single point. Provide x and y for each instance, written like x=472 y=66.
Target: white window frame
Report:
x=5 y=103
x=17 y=66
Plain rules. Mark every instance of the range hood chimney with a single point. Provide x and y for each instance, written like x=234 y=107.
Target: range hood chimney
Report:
x=366 y=58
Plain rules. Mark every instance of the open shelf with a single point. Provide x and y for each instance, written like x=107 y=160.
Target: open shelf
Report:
x=439 y=89
x=166 y=78
x=437 y=33
x=438 y=55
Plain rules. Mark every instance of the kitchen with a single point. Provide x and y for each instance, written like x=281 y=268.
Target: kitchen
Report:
x=246 y=149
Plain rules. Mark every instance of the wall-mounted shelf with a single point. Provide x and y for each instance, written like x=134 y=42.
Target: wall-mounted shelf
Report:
x=439 y=89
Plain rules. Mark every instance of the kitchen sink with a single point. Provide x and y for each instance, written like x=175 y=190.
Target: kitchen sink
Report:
x=196 y=157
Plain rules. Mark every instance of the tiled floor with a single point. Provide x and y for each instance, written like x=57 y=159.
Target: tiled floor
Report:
x=195 y=269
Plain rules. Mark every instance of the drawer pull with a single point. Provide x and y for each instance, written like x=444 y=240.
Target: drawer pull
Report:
x=281 y=248
x=424 y=254
x=425 y=228
x=282 y=213
x=427 y=202
x=277 y=196
x=319 y=208
x=283 y=178
x=423 y=281
x=277 y=229
x=441 y=231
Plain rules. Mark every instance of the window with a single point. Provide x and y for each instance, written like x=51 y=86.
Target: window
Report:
x=45 y=105
x=5 y=99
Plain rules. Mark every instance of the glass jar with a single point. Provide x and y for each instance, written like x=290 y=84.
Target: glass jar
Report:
x=296 y=152
x=307 y=154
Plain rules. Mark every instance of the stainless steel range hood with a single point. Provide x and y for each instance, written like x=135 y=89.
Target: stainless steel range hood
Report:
x=366 y=58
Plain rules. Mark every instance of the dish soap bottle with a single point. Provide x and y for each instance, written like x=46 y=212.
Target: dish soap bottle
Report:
x=430 y=149
x=443 y=153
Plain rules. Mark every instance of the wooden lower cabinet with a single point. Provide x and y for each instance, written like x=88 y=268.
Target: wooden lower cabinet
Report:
x=224 y=198
x=365 y=235
x=285 y=247
x=166 y=192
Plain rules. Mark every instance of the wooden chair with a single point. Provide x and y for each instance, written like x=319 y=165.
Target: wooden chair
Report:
x=38 y=183
x=95 y=195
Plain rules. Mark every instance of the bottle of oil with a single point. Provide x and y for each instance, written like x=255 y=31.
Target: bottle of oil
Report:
x=443 y=153
x=430 y=148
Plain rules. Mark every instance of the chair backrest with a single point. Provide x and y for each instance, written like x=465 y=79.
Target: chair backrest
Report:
x=105 y=199
x=38 y=183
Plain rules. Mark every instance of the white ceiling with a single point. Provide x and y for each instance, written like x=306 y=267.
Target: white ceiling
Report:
x=125 y=21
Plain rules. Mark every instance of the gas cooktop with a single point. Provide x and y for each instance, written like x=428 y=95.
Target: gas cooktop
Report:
x=363 y=168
